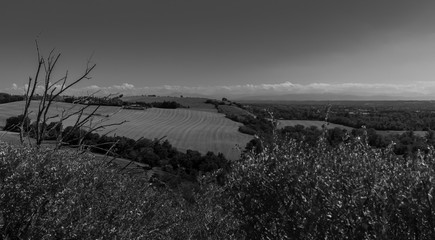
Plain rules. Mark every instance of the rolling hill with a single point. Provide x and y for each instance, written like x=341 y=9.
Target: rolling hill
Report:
x=184 y=128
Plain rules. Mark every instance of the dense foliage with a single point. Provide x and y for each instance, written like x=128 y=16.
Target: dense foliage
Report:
x=286 y=189
x=289 y=190
x=48 y=194
x=352 y=191
x=13 y=123
x=252 y=125
x=405 y=144
x=164 y=104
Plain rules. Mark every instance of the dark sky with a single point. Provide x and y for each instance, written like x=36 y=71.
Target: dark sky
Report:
x=362 y=47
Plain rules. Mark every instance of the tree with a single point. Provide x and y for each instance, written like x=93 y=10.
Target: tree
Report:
x=13 y=123
x=51 y=91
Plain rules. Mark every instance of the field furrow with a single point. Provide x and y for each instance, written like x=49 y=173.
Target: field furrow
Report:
x=184 y=128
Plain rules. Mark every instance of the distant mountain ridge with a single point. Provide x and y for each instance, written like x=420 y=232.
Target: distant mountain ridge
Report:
x=302 y=97
x=322 y=97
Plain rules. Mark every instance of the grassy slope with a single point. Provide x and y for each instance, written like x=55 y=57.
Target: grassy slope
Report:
x=234 y=110
x=184 y=128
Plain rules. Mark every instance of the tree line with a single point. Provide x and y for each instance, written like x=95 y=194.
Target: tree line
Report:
x=406 y=144
x=396 y=115
x=6 y=98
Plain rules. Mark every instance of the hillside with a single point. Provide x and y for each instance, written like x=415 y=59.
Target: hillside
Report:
x=202 y=131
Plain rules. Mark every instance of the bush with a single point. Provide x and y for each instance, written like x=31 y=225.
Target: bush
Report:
x=247 y=130
x=167 y=105
x=291 y=191
x=13 y=123
x=47 y=194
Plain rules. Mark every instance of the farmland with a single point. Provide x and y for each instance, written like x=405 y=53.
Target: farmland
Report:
x=319 y=124
x=308 y=123
x=185 y=129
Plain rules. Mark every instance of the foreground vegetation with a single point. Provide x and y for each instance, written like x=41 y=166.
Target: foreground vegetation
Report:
x=289 y=190
x=65 y=195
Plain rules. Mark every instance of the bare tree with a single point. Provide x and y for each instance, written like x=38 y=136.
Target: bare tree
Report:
x=51 y=90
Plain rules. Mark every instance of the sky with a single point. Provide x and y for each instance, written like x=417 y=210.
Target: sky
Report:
x=226 y=48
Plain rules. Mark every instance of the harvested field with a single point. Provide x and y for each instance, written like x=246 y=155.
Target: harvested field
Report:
x=308 y=123
x=184 y=128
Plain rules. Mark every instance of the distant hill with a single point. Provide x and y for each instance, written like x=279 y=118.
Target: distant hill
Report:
x=320 y=97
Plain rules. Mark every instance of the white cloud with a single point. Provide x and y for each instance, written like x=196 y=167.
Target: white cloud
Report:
x=417 y=90
x=124 y=86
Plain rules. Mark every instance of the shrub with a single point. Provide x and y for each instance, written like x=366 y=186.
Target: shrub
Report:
x=247 y=130
x=62 y=194
x=13 y=123
x=291 y=191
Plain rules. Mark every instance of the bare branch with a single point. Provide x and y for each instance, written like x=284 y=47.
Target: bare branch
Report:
x=50 y=92
x=30 y=92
